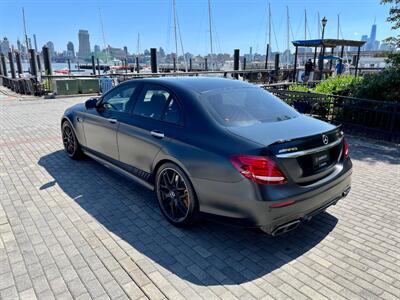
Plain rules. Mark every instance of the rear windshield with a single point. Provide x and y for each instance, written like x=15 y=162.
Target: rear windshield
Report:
x=246 y=106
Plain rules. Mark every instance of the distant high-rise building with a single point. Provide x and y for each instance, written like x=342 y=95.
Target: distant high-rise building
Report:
x=50 y=45
x=84 y=44
x=126 y=50
x=387 y=47
x=96 y=49
x=19 y=45
x=35 y=42
x=70 y=50
x=372 y=37
x=4 y=46
x=364 y=38
x=372 y=44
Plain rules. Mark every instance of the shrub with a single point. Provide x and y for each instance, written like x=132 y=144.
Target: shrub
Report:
x=382 y=86
x=297 y=87
x=339 y=85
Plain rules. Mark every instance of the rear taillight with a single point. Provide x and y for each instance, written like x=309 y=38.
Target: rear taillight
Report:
x=345 y=148
x=258 y=169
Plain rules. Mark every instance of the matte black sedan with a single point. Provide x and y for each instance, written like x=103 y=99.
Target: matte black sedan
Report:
x=214 y=147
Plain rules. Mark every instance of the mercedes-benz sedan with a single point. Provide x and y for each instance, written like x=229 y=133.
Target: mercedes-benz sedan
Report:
x=214 y=147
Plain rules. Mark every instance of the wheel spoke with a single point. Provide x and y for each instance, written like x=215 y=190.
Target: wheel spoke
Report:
x=181 y=208
x=173 y=195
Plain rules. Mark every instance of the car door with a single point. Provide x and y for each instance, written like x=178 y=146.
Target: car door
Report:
x=100 y=124
x=141 y=136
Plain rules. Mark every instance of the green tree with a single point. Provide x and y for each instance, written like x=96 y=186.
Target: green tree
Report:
x=394 y=18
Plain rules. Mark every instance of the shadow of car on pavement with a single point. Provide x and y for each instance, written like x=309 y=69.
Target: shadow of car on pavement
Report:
x=207 y=254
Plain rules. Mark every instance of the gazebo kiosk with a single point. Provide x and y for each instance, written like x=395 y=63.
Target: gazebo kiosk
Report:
x=323 y=44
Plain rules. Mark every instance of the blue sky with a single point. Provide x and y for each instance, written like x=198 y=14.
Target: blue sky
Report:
x=237 y=23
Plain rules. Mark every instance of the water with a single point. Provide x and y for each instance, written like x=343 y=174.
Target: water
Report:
x=57 y=66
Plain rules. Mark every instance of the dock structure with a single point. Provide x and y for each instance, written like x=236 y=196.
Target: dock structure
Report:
x=324 y=44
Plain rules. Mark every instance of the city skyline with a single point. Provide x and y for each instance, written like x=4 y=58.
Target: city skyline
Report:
x=185 y=9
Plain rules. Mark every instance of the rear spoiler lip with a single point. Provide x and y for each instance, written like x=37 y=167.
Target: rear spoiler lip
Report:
x=337 y=128
x=310 y=151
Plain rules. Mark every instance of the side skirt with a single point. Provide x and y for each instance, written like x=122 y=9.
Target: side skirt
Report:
x=119 y=170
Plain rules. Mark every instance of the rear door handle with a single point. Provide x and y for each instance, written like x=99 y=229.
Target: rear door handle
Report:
x=157 y=134
x=113 y=121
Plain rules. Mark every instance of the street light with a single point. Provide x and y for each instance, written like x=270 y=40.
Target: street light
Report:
x=323 y=21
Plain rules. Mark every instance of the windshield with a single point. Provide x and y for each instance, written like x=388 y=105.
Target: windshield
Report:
x=246 y=106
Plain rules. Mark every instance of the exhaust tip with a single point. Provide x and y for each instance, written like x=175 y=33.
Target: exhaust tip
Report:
x=285 y=228
x=346 y=192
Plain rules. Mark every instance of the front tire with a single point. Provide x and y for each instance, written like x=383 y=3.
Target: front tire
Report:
x=71 y=145
x=176 y=196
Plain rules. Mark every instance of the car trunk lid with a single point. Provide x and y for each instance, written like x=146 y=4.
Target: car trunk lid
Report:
x=307 y=149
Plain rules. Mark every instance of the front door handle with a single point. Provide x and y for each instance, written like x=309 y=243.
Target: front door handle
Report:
x=113 y=121
x=157 y=134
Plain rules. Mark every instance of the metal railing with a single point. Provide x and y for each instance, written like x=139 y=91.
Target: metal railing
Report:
x=372 y=118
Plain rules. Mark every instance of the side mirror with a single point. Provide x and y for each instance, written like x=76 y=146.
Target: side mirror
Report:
x=91 y=103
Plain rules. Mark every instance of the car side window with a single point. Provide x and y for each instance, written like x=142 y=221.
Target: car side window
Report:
x=173 y=112
x=117 y=99
x=151 y=103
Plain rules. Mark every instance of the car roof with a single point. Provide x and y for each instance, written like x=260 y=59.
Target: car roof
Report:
x=198 y=84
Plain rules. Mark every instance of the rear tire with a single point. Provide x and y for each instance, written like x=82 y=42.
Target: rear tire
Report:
x=176 y=197
x=71 y=145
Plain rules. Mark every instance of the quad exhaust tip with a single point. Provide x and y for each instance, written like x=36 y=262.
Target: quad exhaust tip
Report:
x=286 y=228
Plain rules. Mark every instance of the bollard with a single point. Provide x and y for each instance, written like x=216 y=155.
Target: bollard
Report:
x=276 y=66
x=236 y=62
x=137 y=65
x=32 y=60
x=93 y=66
x=266 y=57
x=3 y=63
x=98 y=66
x=47 y=61
x=153 y=60
x=244 y=63
x=39 y=64
x=69 y=66
x=190 y=64
x=12 y=66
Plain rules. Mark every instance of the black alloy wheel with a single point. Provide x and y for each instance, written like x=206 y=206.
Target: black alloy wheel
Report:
x=71 y=145
x=176 y=196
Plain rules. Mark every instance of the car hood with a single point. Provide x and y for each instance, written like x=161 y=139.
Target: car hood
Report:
x=269 y=133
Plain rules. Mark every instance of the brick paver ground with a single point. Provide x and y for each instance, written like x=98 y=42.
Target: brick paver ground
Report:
x=73 y=229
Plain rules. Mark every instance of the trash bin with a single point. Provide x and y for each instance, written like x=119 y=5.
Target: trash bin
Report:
x=106 y=84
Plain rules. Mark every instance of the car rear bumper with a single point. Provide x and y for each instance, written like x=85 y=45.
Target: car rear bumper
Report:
x=244 y=204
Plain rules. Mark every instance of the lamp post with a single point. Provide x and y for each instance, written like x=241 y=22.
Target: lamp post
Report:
x=323 y=22
x=322 y=54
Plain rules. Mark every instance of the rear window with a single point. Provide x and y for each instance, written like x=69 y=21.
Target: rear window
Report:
x=246 y=106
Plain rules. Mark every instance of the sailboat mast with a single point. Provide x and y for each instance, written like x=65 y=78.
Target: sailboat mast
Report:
x=319 y=26
x=288 y=35
x=338 y=26
x=175 y=32
x=305 y=34
x=26 y=35
x=288 y=28
x=211 y=40
x=138 y=45
x=103 y=35
x=269 y=25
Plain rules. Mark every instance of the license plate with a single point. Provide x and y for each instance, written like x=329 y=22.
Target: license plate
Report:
x=320 y=160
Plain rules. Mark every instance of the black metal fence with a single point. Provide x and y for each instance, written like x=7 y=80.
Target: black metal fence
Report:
x=372 y=118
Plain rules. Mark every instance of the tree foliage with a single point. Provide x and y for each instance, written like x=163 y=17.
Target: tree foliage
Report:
x=394 y=18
